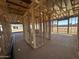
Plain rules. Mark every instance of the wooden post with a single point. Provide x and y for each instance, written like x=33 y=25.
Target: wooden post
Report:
x=52 y=25
x=34 y=36
x=68 y=26
x=49 y=28
x=78 y=33
x=43 y=28
x=57 y=26
x=46 y=27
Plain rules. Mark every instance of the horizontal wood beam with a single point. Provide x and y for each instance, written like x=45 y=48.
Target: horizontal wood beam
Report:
x=16 y=11
x=16 y=4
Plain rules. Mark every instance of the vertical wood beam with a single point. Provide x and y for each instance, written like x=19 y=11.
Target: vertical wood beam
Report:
x=43 y=27
x=33 y=29
x=52 y=25
x=68 y=26
x=57 y=26
x=78 y=32
x=49 y=27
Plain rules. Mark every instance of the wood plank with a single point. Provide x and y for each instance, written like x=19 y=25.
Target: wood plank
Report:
x=16 y=4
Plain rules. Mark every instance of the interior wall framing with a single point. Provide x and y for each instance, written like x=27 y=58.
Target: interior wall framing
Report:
x=6 y=39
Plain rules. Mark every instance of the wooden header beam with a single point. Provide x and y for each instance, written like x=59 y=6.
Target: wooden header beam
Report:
x=16 y=4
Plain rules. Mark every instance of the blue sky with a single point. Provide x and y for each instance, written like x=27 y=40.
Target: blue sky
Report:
x=73 y=20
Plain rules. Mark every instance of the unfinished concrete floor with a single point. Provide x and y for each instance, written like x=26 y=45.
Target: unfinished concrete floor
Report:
x=59 y=47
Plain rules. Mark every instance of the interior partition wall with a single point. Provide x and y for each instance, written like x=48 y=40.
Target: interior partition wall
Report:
x=37 y=32
x=5 y=37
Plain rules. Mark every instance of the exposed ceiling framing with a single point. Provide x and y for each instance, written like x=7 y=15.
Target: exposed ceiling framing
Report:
x=54 y=8
x=18 y=6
